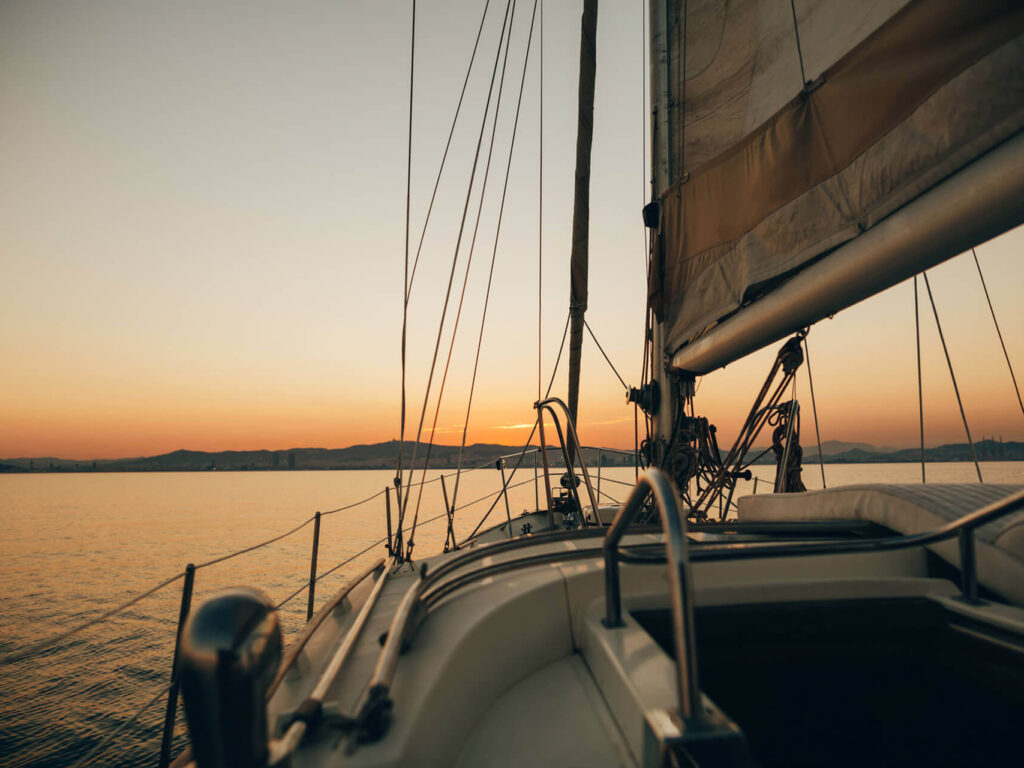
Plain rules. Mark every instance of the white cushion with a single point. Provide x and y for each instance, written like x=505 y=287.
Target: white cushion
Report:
x=911 y=509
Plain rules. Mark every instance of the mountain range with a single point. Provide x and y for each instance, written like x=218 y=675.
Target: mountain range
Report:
x=383 y=455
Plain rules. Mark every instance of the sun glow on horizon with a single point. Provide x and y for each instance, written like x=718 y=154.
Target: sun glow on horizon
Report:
x=204 y=249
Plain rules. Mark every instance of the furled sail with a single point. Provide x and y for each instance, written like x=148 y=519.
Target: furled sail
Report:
x=806 y=126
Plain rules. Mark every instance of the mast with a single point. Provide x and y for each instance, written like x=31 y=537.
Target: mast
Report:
x=661 y=179
x=579 y=261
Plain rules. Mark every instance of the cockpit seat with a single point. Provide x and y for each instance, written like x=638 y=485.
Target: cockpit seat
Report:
x=910 y=509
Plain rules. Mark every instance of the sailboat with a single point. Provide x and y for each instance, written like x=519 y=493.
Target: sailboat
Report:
x=804 y=156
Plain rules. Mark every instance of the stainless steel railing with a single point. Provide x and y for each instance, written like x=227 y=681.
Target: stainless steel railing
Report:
x=548 y=405
x=654 y=483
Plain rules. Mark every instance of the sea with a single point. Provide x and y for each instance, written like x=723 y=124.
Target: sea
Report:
x=73 y=546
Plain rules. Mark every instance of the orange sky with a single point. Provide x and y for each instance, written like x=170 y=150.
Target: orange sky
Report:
x=201 y=237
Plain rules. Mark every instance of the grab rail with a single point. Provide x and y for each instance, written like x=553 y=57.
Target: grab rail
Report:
x=548 y=405
x=654 y=483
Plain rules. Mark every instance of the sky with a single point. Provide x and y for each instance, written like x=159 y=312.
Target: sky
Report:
x=202 y=228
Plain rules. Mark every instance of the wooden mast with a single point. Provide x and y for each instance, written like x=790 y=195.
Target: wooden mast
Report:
x=581 y=205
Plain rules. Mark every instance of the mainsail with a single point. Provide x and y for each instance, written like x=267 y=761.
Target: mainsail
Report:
x=787 y=134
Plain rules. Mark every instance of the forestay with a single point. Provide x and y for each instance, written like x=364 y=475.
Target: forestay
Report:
x=807 y=125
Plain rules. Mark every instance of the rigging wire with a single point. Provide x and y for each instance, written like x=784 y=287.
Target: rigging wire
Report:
x=998 y=332
x=410 y=278
x=814 y=409
x=952 y=376
x=469 y=262
x=540 y=211
x=682 y=94
x=455 y=259
x=405 y=277
x=494 y=255
x=920 y=383
x=533 y=431
x=645 y=234
x=604 y=354
x=799 y=51
x=444 y=157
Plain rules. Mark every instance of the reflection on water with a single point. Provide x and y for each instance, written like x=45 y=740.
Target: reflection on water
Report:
x=77 y=545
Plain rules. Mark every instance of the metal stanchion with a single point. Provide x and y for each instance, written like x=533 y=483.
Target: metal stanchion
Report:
x=172 y=695
x=312 y=566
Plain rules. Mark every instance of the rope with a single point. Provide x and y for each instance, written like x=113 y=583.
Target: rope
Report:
x=920 y=385
x=94 y=752
x=604 y=354
x=494 y=254
x=455 y=259
x=952 y=376
x=799 y=51
x=469 y=259
x=998 y=332
x=814 y=409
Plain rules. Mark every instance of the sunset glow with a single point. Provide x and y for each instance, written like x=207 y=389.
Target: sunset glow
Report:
x=201 y=236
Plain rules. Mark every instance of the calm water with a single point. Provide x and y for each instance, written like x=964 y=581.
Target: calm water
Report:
x=74 y=546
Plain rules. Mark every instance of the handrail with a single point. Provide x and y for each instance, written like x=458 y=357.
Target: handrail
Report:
x=654 y=482
x=310 y=711
x=547 y=405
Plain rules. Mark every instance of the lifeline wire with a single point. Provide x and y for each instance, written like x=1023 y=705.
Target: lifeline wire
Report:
x=952 y=376
x=54 y=639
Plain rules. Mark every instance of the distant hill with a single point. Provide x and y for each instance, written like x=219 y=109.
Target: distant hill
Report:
x=375 y=456
x=834 y=447
x=384 y=456
x=987 y=450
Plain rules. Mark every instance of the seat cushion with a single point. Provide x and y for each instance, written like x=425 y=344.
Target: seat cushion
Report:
x=910 y=509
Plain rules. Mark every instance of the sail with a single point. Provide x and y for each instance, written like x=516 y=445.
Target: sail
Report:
x=806 y=126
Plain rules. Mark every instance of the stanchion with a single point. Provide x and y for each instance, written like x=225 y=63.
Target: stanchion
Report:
x=172 y=695
x=312 y=566
x=387 y=503
x=500 y=463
